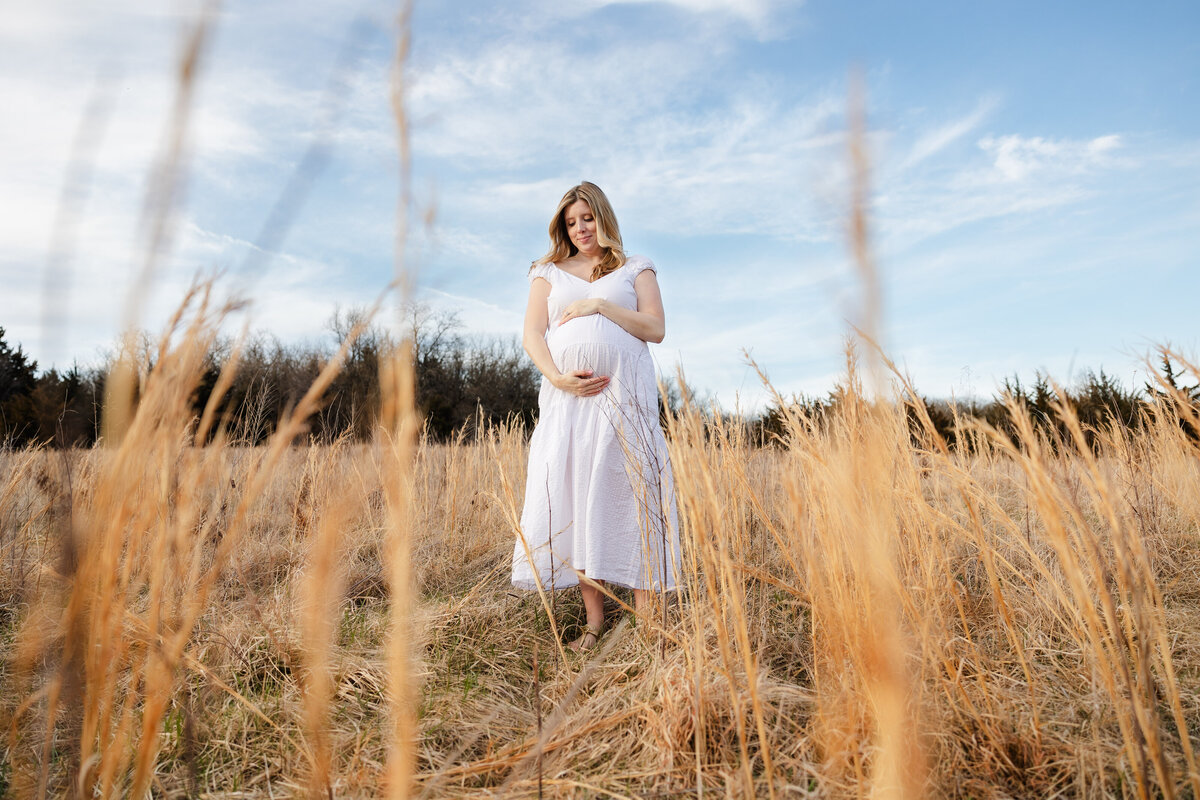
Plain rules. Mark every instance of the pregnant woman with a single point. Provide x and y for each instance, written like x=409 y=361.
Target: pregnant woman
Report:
x=599 y=499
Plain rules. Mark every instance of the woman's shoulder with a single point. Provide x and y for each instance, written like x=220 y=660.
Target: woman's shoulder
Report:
x=636 y=263
x=542 y=269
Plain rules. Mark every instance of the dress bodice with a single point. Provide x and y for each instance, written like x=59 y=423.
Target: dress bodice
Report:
x=565 y=288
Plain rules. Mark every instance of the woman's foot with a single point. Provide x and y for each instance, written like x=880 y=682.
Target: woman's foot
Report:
x=587 y=641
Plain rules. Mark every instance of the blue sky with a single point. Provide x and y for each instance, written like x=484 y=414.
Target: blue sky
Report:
x=1035 y=172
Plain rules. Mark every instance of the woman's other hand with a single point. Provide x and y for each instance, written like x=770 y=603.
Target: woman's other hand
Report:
x=582 y=308
x=581 y=383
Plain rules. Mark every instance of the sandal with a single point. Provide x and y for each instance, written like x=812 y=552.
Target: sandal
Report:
x=589 y=630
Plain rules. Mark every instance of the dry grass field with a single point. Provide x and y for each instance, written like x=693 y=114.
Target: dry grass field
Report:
x=863 y=612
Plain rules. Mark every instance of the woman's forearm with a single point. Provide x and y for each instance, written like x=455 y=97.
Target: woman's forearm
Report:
x=539 y=352
x=643 y=325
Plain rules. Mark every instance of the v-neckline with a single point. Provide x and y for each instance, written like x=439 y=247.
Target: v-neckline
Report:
x=581 y=280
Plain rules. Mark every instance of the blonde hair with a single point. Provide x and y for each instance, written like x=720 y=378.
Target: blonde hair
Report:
x=608 y=234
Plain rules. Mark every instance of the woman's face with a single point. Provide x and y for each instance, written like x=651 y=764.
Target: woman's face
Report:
x=581 y=227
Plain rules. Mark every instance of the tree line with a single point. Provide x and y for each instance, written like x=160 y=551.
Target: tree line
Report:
x=464 y=380
x=1097 y=400
x=461 y=380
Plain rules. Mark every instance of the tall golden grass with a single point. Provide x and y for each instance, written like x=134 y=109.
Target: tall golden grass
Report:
x=863 y=611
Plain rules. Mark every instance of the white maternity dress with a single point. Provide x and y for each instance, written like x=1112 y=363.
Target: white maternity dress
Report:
x=599 y=497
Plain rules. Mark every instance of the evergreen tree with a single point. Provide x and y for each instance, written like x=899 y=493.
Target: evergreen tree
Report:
x=1169 y=394
x=18 y=377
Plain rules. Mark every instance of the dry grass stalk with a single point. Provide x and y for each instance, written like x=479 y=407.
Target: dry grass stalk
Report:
x=321 y=590
x=398 y=436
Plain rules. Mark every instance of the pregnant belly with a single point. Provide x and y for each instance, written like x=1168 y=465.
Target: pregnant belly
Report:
x=593 y=342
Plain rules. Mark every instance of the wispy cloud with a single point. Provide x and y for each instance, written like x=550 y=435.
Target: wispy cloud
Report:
x=932 y=142
x=1002 y=176
x=666 y=127
x=1017 y=158
x=754 y=12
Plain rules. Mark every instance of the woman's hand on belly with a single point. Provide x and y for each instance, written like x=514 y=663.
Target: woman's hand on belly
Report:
x=581 y=308
x=581 y=383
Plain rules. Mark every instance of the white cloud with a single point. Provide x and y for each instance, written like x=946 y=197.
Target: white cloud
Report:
x=936 y=140
x=756 y=13
x=513 y=103
x=1017 y=158
x=292 y=296
x=254 y=113
x=667 y=131
x=74 y=22
x=1016 y=176
x=477 y=315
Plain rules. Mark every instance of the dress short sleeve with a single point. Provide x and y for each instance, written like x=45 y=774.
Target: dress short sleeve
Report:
x=635 y=265
x=542 y=271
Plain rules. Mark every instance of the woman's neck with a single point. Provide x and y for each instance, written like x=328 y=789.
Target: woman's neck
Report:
x=588 y=259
